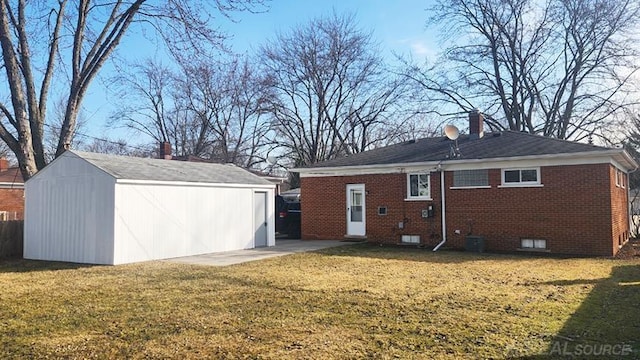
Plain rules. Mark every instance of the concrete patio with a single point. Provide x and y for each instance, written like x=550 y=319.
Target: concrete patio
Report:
x=283 y=247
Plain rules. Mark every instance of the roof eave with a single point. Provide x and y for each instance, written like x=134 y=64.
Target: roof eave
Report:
x=625 y=159
x=195 y=183
x=620 y=155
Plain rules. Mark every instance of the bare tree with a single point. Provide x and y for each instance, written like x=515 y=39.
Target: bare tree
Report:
x=116 y=147
x=205 y=108
x=225 y=102
x=560 y=68
x=4 y=150
x=147 y=105
x=39 y=39
x=153 y=102
x=331 y=93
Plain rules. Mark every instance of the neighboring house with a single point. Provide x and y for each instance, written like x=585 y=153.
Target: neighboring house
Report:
x=291 y=195
x=106 y=209
x=281 y=183
x=515 y=190
x=11 y=192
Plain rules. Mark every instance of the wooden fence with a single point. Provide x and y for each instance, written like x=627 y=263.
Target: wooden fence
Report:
x=11 y=234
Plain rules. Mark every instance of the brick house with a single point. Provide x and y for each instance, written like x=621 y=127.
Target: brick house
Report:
x=11 y=192
x=515 y=191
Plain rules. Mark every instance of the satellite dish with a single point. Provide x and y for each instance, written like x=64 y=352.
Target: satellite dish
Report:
x=451 y=132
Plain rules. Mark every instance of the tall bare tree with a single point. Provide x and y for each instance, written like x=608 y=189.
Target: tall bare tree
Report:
x=331 y=91
x=560 y=68
x=41 y=39
x=226 y=101
x=147 y=104
x=205 y=108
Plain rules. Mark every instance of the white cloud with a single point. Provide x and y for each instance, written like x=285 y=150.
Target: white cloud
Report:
x=420 y=49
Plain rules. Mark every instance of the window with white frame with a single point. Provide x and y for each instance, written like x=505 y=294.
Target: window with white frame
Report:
x=418 y=186
x=471 y=178
x=538 y=244
x=519 y=177
x=620 y=178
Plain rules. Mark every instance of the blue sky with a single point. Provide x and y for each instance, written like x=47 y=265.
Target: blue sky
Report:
x=397 y=26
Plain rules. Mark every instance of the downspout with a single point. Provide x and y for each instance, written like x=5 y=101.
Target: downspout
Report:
x=630 y=209
x=444 y=221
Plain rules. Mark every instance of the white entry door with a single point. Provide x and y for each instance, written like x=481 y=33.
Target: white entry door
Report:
x=260 y=218
x=356 y=216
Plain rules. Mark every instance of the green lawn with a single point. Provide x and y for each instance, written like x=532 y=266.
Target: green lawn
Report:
x=350 y=302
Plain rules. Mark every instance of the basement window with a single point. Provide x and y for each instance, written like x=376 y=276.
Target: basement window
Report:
x=533 y=244
x=382 y=210
x=410 y=239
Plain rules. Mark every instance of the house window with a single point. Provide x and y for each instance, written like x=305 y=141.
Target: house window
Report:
x=418 y=186
x=620 y=179
x=471 y=178
x=382 y=210
x=537 y=244
x=520 y=177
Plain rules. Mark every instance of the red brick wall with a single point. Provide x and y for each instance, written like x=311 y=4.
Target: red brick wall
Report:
x=572 y=211
x=12 y=200
x=324 y=208
x=620 y=210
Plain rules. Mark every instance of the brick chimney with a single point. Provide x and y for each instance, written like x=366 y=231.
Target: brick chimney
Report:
x=4 y=164
x=165 y=150
x=476 y=124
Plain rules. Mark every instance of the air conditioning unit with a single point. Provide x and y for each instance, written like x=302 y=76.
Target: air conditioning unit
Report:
x=474 y=243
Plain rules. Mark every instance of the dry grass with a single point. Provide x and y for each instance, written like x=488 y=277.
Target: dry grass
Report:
x=350 y=302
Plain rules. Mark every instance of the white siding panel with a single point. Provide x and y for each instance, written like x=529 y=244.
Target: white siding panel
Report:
x=163 y=221
x=69 y=214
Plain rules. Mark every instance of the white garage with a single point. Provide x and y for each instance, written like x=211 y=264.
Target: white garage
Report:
x=105 y=209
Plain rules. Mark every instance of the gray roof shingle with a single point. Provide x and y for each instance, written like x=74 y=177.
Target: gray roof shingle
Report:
x=503 y=144
x=133 y=168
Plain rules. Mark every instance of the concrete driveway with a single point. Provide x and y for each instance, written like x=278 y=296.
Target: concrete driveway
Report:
x=283 y=247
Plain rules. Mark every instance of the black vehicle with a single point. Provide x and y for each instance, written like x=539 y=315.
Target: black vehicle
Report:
x=288 y=217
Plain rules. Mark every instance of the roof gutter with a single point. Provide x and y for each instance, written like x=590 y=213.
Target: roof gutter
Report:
x=192 y=183
x=443 y=212
x=568 y=157
x=633 y=164
x=11 y=185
